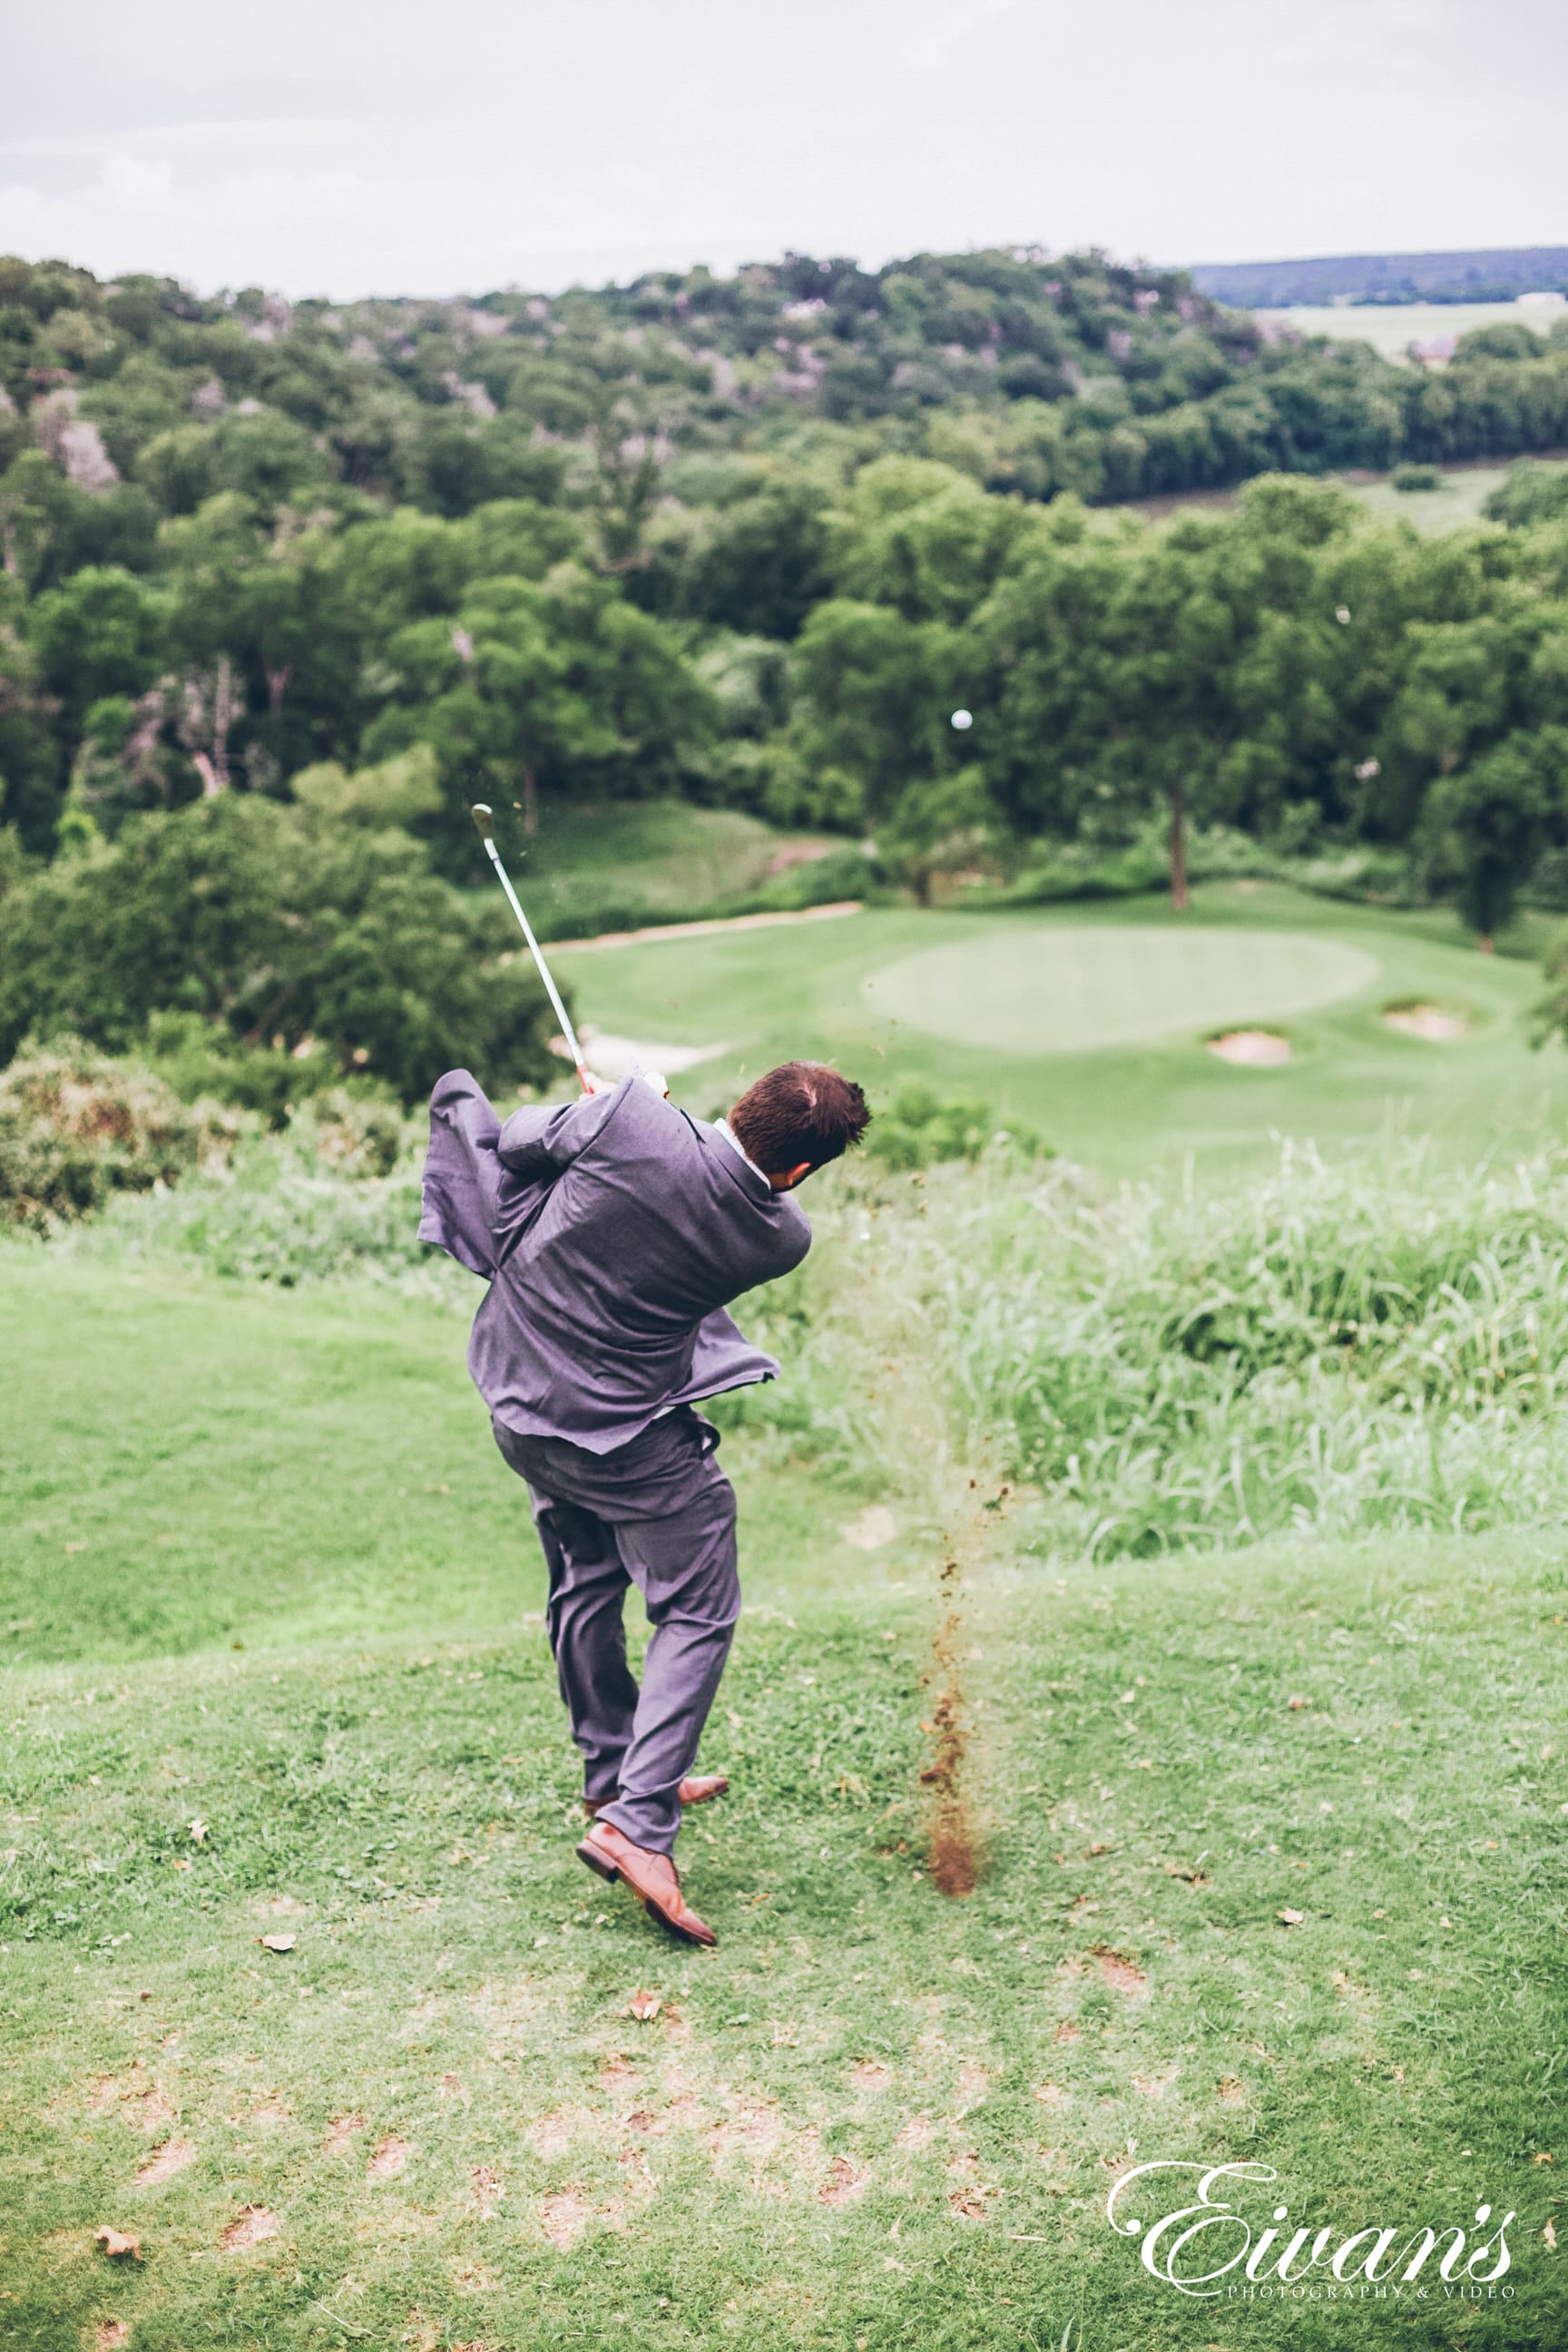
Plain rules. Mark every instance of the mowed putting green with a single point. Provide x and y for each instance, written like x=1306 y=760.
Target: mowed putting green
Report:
x=1077 y=991
x=1089 y=1022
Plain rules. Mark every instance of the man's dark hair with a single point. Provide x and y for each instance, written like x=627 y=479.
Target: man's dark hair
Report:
x=802 y=1110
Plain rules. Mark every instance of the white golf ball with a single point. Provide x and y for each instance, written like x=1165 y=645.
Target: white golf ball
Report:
x=963 y=718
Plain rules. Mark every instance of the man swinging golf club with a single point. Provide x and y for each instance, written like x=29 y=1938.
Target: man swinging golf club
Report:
x=615 y=1233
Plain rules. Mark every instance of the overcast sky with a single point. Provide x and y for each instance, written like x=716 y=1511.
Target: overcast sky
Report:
x=438 y=146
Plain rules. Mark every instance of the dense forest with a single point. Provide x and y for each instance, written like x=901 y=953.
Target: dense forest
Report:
x=283 y=588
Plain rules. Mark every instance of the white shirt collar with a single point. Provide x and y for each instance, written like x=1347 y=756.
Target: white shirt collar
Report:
x=722 y=1127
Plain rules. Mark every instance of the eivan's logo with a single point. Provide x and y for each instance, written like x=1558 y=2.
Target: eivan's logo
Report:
x=1209 y=2248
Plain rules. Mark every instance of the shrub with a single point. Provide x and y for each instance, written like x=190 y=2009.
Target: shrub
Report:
x=920 y=1129
x=76 y=1127
x=1417 y=478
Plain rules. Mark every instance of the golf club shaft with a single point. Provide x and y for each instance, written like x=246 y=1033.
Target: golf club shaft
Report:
x=550 y=988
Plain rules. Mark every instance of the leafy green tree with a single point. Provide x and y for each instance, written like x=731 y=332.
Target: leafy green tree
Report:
x=1496 y=814
x=880 y=692
x=100 y=633
x=276 y=926
x=557 y=685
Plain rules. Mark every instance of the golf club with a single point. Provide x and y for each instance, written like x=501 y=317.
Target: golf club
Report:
x=483 y=817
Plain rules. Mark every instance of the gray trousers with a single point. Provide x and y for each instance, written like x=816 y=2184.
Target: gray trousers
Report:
x=659 y=1514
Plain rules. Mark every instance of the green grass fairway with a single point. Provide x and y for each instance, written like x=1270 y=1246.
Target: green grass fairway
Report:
x=1272 y=1874
x=890 y=994
x=1077 y=988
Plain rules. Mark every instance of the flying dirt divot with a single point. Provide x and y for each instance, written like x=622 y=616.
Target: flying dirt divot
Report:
x=1250 y=1049
x=954 y=1865
x=1432 y=1023
x=956 y=1838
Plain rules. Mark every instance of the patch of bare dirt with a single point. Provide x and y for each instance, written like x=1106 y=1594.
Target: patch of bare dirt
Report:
x=165 y=2162
x=110 y=2335
x=390 y=2158
x=340 y=2134
x=563 y=2216
x=844 y=2184
x=485 y=2189
x=1120 y=1974
x=250 y=2226
x=918 y=2132
x=1154 y=2084
x=870 y=2074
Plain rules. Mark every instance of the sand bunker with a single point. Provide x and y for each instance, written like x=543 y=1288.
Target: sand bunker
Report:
x=1253 y=1049
x=622 y=1057
x=1429 y=1021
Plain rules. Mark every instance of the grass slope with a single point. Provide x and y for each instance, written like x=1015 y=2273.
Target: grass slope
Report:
x=623 y=863
x=769 y=994
x=873 y=2117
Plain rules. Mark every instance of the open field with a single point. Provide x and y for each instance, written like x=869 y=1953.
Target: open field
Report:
x=874 y=2116
x=1006 y=1006
x=1459 y=499
x=1390 y=328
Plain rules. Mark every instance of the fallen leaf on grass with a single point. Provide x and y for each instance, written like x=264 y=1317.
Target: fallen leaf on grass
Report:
x=275 y=1943
x=643 y=2006
x=165 y=2162
x=1231 y=2092
x=389 y=2158
x=968 y=2207
x=1541 y=2157
x=198 y=1833
x=1291 y=1918
x=116 y=2245
x=249 y=2226
x=1098 y=1847
x=1549 y=2234
x=1295 y=1705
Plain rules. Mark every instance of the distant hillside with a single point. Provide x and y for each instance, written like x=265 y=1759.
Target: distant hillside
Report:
x=1483 y=277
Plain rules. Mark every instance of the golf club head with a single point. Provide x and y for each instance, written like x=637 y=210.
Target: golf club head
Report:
x=482 y=816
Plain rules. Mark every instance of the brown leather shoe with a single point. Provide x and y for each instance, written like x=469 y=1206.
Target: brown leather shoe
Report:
x=653 y=1878
x=698 y=1789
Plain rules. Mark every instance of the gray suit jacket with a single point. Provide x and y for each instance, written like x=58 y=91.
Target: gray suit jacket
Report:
x=614 y=1232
